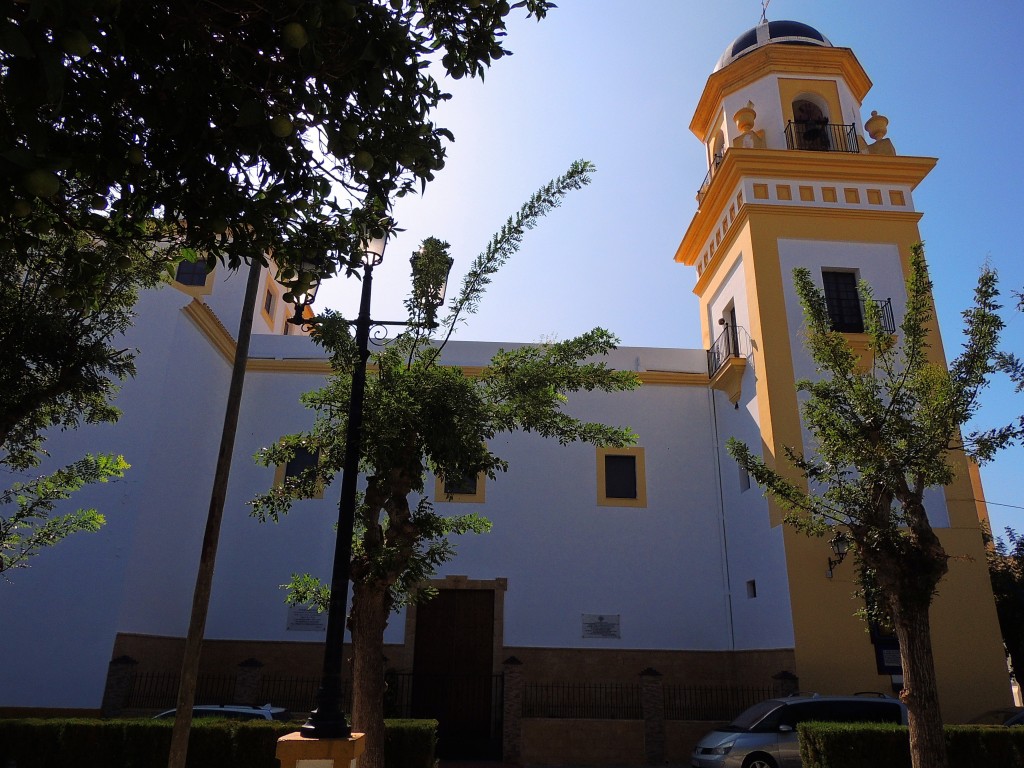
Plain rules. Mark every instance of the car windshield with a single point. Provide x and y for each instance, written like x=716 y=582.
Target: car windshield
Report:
x=747 y=719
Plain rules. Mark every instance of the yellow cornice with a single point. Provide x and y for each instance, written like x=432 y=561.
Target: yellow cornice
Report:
x=790 y=211
x=673 y=378
x=795 y=164
x=211 y=327
x=777 y=59
x=288 y=365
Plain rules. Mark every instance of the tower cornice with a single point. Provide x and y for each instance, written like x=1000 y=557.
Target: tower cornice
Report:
x=777 y=59
x=836 y=167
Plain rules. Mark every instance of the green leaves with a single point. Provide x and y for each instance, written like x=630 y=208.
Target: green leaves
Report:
x=26 y=526
x=258 y=119
x=883 y=433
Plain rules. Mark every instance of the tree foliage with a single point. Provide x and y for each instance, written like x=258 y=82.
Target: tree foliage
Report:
x=419 y=416
x=1006 y=569
x=29 y=527
x=236 y=123
x=59 y=359
x=880 y=437
x=60 y=365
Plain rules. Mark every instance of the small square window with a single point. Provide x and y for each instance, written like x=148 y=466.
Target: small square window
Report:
x=268 y=307
x=621 y=477
x=752 y=589
x=302 y=460
x=465 y=489
x=744 y=480
x=192 y=273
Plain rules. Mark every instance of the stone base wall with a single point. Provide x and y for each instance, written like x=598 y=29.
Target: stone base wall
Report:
x=305 y=659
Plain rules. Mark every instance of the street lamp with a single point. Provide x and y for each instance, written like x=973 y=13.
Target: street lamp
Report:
x=302 y=288
x=840 y=544
x=328 y=720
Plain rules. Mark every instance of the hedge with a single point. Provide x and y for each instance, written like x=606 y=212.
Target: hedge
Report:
x=854 y=745
x=81 y=743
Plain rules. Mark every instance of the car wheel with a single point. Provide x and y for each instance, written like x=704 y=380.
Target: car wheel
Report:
x=759 y=761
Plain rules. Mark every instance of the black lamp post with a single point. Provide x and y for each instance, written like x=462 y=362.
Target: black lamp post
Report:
x=328 y=720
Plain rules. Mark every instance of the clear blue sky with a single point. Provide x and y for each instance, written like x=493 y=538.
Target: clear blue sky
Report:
x=616 y=83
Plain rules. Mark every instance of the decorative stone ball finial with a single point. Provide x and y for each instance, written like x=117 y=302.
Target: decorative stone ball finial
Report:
x=745 y=117
x=877 y=125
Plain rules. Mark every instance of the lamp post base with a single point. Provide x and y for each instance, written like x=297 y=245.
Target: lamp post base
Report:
x=296 y=750
x=326 y=725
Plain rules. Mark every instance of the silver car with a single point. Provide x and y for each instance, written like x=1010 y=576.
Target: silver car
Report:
x=230 y=712
x=764 y=736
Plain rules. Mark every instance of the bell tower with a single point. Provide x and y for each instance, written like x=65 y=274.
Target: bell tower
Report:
x=797 y=177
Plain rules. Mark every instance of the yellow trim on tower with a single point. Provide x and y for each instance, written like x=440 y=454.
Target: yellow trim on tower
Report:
x=799 y=60
x=837 y=167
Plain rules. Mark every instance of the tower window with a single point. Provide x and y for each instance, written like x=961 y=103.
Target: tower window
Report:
x=843 y=301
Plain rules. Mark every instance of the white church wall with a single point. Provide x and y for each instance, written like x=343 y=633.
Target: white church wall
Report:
x=63 y=611
x=658 y=567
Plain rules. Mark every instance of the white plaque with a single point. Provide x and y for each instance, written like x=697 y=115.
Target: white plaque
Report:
x=603 y=626
x=304 y=619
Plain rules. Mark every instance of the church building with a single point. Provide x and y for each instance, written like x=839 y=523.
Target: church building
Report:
x=601 y=562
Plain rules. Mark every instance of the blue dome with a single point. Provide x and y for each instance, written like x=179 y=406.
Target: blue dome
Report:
x=768 y=32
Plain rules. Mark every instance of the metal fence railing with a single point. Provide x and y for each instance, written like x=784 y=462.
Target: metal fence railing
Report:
x=733 y=341
x=707 y=702
x=159 y=690
x=822 y=136
x=604 y=701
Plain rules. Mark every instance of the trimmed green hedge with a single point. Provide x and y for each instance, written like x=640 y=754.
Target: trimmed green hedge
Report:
x=854 y=745
x=84 y=743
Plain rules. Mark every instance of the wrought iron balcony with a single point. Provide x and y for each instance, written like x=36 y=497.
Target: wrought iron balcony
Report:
x=885 y=310
x=849 y=315
x=733 y=341
x=822 y=137
x=715 y=162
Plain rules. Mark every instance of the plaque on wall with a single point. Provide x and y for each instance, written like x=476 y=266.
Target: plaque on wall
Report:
x=601 y=626
x=304 y=619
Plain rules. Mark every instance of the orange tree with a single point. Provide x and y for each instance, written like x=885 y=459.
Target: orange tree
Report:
x=237 y=123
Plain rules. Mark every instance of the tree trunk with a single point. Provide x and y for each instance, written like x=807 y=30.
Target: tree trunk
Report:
x=920 y=692
x=371 y=605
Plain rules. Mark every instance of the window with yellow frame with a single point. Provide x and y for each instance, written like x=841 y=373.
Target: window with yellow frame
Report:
x=465 y=490
x=621 y=477
x=302 y=460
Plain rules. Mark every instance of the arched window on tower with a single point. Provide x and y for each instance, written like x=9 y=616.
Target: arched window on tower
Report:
x=810 y=126
x=718 y=151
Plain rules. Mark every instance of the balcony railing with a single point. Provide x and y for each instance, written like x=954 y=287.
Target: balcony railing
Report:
x=733 y=341
x=822 y=137
x=715 y=162
x=885 y=310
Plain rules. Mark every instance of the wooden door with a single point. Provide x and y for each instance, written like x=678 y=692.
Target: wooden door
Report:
x=453 y=680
